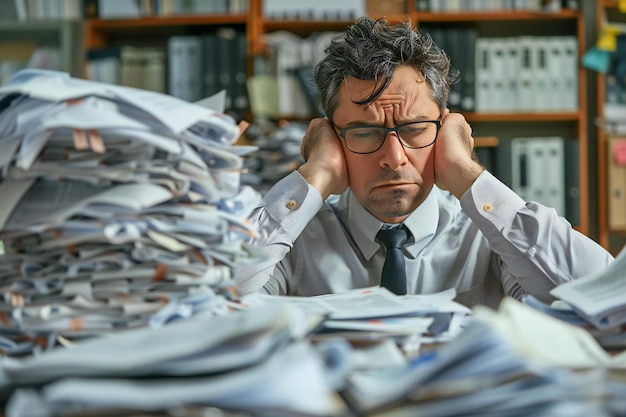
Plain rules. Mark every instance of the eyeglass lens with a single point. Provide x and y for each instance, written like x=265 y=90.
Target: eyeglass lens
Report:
x=369 y=138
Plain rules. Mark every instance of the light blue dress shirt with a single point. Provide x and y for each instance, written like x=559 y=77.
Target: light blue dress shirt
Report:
x=489 y=244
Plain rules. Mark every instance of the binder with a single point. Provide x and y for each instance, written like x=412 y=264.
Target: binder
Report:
x=521 y=170
x=104 y=64
x=511 y=71
x=526 y=80
x=226 y=45
x=555 y=92
x=552 y=182
x=503 y=162
x=185 y=66
x=483 y=70
x=154 y=70
x=131 y=66
x=570 y=72
x=454 y=43
x=572 y=181
x=285 y=55
x=240 y=91
x=500 y=101
x=468 y=73
x=210 y=64
x=616 y=182
x=538 y=170
x=542 y=85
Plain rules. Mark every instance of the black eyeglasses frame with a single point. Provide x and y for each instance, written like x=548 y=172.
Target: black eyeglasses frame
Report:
x=386 y=131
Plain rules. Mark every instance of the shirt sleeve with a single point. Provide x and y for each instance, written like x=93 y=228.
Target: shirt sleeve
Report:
x=286 y=210
x=537 y=248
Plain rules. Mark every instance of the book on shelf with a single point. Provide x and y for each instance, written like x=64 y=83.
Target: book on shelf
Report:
x=616 y=183
x=538 y=170
x=526 y=74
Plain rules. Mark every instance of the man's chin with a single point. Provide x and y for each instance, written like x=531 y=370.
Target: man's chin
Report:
x=391 y=211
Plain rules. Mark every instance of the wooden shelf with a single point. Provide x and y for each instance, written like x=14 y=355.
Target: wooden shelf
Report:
x=607 y=4
x=522 y=117
x=486 y=142
x=304 y=26
x=99 y=32
x=207 y=20
x=494 y=16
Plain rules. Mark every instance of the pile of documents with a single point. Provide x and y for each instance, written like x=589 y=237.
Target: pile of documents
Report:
x=595 y=303
x=121 y=208
x=374 y=314
x=246 y=361
x=502 y=363
x=277 y=154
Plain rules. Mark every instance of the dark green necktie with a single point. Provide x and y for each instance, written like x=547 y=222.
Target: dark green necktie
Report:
x=394 y=274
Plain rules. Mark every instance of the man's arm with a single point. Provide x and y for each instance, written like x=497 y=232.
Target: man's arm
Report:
x=286 y=210
x=539 y=249
x=291 y=204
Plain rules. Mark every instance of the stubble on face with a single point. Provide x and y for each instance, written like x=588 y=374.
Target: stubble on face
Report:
x=393 y=203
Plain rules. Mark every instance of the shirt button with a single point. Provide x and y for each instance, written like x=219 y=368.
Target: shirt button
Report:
x=291 y=204
x=487 y=207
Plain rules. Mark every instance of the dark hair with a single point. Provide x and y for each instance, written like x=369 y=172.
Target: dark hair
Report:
x=372 y=50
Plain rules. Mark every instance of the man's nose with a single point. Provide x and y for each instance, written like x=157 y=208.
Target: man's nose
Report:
x=392 y=152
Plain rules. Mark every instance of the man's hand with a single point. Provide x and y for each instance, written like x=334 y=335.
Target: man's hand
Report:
x=325 y=164
x=456 y=168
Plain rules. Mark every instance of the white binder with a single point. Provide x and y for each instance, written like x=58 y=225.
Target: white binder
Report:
x=538 y=170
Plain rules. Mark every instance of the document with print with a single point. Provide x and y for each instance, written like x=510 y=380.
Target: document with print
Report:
x=599 y=297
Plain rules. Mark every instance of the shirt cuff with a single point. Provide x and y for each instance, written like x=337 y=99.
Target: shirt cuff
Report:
x=490 y=203
x=293 y=202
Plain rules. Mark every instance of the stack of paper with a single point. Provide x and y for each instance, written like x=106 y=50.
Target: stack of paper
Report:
x=595 y=303
x=278 y=153
x=374 y=314
x=599 y=298
x=487 y=370
x=244 y=361
x=122 y=208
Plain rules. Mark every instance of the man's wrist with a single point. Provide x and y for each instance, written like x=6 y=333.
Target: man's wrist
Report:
x=465 y=178
x=320 y=179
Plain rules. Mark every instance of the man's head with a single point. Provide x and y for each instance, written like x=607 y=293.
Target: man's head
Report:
x=373 y=50
x=380 y=75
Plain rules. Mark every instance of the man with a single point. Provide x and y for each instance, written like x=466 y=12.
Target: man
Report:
x=390 y=153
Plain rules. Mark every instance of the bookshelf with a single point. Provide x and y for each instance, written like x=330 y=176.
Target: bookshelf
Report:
x=501 y=125
x=506 y=125
x=611 y=219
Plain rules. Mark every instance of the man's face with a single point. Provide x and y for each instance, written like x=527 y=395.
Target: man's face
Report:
x=393 y=181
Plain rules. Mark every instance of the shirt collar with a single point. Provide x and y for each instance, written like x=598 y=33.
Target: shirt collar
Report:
x=364 y=226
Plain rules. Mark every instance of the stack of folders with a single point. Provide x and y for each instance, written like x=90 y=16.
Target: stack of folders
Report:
x=121 y=208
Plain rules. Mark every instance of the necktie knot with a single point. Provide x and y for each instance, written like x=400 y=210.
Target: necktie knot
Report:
x=393 y=238
x=394 y=274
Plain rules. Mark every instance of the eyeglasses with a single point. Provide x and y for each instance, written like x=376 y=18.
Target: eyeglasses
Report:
x=369 y=139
